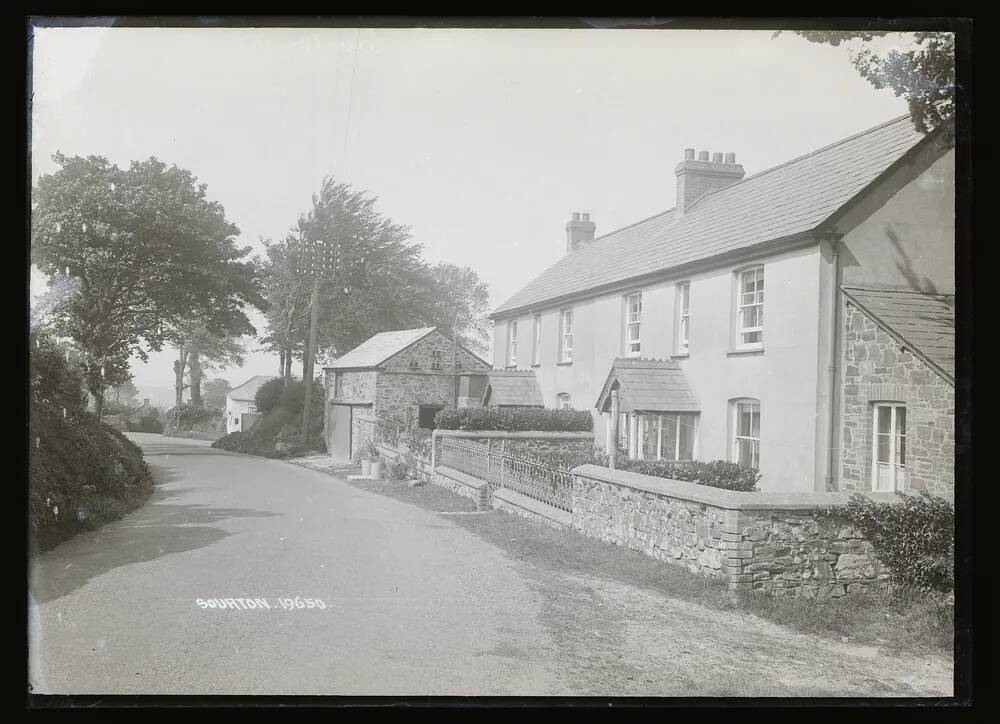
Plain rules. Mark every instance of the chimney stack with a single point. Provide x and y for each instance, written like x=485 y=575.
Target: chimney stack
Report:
x=579 y=232
x=695 y=178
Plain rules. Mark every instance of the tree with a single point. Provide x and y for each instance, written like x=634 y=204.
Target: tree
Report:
x=126 y=392
x=924 y=75
x=200 y=349
x=287 y=294
x=457 y=294
x=215 y=391
x=146 y=249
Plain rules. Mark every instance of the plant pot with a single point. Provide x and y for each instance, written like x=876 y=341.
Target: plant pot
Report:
x=366 y=467
x=376 y=470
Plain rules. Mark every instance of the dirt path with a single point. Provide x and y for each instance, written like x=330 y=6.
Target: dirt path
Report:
x=620 y=640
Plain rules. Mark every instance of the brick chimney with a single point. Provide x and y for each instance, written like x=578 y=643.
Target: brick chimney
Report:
x=697 y=177
x=579 y=232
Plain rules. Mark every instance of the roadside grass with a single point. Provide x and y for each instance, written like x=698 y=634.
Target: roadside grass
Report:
x=901 y=621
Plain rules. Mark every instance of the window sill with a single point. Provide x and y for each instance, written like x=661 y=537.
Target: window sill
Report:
x=567 y=363
x=680 y=355
x=745 y=351
x=536 y=364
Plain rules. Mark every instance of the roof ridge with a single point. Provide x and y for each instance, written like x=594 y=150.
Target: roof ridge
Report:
x=804 y=156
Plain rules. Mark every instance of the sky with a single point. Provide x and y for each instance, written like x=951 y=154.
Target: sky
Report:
x=483 y=142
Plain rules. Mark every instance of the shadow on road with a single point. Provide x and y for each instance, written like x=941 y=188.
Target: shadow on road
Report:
x=159 y=528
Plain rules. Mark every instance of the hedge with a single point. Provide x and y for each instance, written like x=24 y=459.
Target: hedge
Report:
x=82 y=474
x=278 y=432
x=914 y=537
x=514 y=419
x=714 y=474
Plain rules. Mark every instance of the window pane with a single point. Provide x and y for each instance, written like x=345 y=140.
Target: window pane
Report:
x=883 y=419
x=647 y=432
x=746 y=453
x=668 y=436
x=744 y=421
x=883 y=443
x=755 y=421
x=686 y=431
x=900 y=420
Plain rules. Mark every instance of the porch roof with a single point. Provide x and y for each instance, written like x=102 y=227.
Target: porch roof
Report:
x=652 y=385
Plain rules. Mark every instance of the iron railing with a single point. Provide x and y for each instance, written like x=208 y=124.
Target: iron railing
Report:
x=544 y=483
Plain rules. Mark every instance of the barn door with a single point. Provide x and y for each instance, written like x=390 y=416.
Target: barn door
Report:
x=339 y=443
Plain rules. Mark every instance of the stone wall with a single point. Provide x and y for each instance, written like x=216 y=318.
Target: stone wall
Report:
x=780 y=544
x=878 y=369
x=401 y=394
x=434 y=354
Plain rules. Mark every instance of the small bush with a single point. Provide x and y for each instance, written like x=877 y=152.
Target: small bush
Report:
x=278 y=432
x=146 y=424
x=514 y=419
x=914 y=537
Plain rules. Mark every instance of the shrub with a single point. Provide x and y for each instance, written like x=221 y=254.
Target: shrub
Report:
x=278 y=432
x=149 y=423
x=514 y=419
x=269 y=395
x=715 y=474
x=914 y=537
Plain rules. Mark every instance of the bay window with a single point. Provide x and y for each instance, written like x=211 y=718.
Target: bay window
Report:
x=664 y=436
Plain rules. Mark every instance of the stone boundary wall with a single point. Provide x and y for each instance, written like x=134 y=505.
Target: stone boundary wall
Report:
x=462 y=484
x=777 y=543
x=510 y=501
x=421 y=467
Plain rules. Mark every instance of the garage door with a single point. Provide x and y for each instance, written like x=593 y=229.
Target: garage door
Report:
x=339 y=443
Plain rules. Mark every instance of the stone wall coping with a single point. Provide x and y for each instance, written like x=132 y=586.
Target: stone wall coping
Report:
x=460 y=477
x=512 y=497
x=725 y=499
x=516 y=434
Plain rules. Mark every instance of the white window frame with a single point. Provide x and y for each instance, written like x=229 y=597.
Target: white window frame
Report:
x=511 y=342
x=897 y=452
x=633 y=325
x=252 y=408
x=683 y=317
x=566 y=335
x=736 y=437
x=564 y=401
x=742 y=305
x=536 y=350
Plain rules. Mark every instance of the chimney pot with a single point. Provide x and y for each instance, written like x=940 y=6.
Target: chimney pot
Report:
x=730 y=157
x=716 y=158
x=586 y=217
x=576 y=216
x=696 y=179
x=702 y=155
x=579 y=232
x=689 y=154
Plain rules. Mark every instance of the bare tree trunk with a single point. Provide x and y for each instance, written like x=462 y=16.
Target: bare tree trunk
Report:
x=179 y=365
x=98 y=404
x=288 y=366
x=281 y=362
x=196 y=374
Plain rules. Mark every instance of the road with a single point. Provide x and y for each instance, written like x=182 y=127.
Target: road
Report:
x=413 y=604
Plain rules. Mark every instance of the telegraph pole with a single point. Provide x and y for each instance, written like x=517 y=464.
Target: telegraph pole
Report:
x=316 y=261
x=307 y=362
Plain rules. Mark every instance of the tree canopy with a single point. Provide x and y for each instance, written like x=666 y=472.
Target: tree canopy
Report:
x=378 y=281
x=144 y=248
x=924 y=74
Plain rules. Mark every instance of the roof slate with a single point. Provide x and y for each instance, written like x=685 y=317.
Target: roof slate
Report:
x=793 y=198
x=924 y=321
x=248 y=390
x=513 y=387
x=377 y=349
x=649 y=384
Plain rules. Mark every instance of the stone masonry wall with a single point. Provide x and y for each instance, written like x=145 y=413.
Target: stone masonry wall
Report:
x=877 y=369
x=779 y=544
x=423 y=355
x=401 y=394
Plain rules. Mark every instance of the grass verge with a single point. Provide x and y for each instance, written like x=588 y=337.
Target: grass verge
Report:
x=904 y=621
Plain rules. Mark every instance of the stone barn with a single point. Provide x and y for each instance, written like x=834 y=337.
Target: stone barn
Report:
x=406 y=374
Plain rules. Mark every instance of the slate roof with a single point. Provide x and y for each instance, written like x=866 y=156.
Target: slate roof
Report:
x=512 y=387
x=790 y=199
x=648 y=384
x=377 y=349
x=924 y=322
x=248 y=390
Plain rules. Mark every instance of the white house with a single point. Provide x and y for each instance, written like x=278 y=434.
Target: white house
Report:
x=240 y=403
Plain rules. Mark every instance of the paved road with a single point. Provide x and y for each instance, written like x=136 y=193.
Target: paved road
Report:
x=414 y=605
